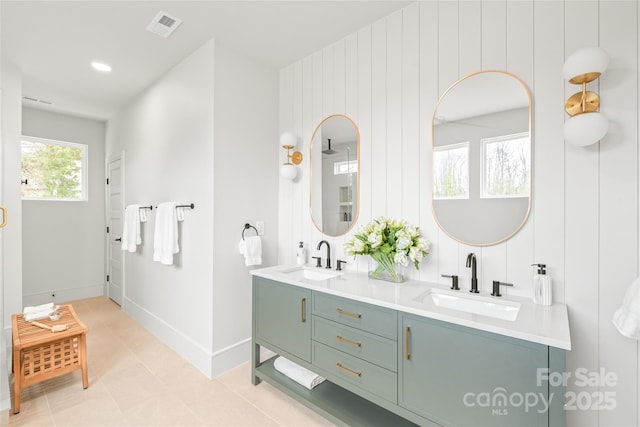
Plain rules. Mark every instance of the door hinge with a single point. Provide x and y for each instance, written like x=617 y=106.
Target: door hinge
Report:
x=107 y=229
x=107 y=277
x=107 y=181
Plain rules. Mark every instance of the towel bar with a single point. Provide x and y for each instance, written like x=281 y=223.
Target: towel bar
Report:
x=191 y=206
x=248 y=226
x=150 y=207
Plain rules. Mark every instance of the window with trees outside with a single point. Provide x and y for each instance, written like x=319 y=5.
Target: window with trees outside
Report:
x=451 y=171
x=506 y=161
x=53 y=170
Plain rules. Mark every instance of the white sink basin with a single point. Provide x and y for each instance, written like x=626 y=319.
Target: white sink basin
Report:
x=473 y=303
x=311 y=273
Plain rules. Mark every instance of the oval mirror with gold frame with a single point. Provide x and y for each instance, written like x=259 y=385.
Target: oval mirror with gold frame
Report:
x=482 y=158
x=334 y=179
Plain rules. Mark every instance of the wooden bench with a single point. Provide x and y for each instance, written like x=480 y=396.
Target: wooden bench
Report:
x=39 y=354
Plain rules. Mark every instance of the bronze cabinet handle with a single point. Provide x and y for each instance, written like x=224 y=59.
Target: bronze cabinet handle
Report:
x=407 y=355
x=348 y=371
x=348 y=313
x=4 y=216
x=346 y=341
x=303 y=313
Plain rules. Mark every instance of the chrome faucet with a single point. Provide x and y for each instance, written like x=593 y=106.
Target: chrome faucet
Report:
x=328 y=252
x=471 y=262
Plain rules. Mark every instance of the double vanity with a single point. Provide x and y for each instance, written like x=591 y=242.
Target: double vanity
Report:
x=416 y=353
x=409 y=353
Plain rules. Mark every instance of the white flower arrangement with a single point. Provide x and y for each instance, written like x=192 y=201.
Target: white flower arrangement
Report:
x=389 y=242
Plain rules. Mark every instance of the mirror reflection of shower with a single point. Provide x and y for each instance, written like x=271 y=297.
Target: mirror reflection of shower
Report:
x=334 y=175
x=329 y=150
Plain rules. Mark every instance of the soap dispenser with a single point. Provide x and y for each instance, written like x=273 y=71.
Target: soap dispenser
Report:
x=542 y=286
x=301 y=255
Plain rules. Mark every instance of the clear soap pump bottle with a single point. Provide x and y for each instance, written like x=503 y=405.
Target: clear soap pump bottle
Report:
x=542 y=286
x=301 y=255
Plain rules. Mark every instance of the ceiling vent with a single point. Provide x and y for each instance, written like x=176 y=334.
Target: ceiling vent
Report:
x=164 y=24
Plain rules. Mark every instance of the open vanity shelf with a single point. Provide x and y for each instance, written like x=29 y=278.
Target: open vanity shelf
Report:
x=331 y=401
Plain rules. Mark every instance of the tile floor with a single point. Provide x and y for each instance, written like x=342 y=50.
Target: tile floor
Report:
x=135 y=380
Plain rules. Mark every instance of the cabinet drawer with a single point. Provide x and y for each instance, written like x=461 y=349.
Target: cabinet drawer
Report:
x=369 y=347
x=364 y=375
x=377 y=320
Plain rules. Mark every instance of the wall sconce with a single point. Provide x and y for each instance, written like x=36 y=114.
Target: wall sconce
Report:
x=586 y=125
x=288 y=170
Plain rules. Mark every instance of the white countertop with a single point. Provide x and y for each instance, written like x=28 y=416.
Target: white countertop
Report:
x=548 y=325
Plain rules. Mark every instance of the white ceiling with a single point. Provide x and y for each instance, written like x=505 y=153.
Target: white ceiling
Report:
x=53 y=42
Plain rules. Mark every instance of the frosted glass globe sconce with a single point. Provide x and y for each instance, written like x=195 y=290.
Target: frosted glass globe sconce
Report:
x=586 y=125
x=288 y=170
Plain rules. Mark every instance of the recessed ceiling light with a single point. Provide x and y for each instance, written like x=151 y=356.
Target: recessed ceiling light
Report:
x=101 y=67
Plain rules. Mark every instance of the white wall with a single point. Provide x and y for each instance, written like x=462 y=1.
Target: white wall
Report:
x=245 y=191
x=10 y=235
x=60 y=254
x=167 y=136
x=182 y=145
x=584 y=220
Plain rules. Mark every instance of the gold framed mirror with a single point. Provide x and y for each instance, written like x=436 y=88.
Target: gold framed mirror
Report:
x=482 y=158
x=334 y=179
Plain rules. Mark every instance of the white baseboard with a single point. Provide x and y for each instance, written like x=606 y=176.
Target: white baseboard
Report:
x=64 y=295
x=193 y=352
x=230 y=357
x=210 y=364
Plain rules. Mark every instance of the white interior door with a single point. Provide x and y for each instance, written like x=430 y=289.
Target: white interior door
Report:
x=115 y=220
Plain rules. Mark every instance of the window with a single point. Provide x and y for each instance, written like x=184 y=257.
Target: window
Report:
x=451 y=171
x=506 y=161
x=53 y=170
x=345 y=167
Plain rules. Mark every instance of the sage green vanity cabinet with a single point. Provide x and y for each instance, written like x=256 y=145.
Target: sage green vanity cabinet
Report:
x=458 y=376
x=391 y=368
x=282 y=317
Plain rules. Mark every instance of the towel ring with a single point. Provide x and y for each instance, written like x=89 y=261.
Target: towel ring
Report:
x=248 y=226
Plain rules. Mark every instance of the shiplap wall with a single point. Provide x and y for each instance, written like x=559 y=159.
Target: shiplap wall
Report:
x=584 y=221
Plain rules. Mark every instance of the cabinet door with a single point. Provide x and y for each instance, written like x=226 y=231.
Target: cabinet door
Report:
x=460 y=376
x=283 y=317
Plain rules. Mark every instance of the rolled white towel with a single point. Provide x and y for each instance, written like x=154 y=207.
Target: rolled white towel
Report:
x=38 y=312
x=30 y=317
x=297 y=373
x=36 y=308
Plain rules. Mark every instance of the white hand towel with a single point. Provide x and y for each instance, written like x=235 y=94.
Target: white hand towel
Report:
x=131 y=236
x=627 y=318
x=299 y=374
x=251 y=248
x=165 y=239
x=38 y=312
x=42 y=307
x=143 y=214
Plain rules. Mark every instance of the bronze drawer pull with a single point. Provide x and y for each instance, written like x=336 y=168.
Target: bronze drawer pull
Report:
x=407 y=355
x=303 y=314
x=346 y=341
x=4 y=216
x=348 y=371
x=348 y=313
